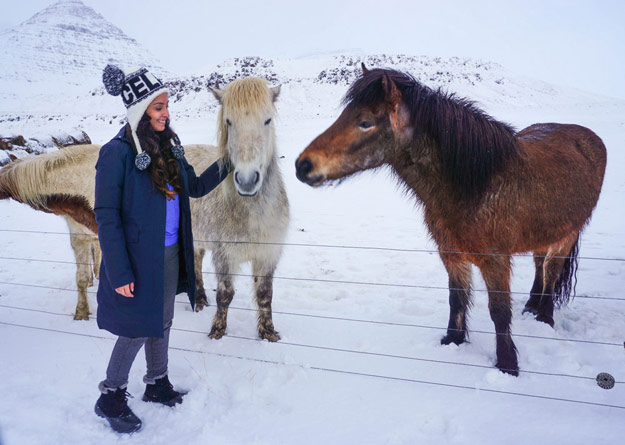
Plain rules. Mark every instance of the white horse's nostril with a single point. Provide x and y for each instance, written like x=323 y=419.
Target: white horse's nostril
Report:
x=247 y=181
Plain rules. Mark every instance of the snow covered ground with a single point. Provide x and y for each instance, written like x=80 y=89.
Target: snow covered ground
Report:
x=359 y=362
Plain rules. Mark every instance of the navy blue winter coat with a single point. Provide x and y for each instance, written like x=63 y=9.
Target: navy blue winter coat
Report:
x=130 y=213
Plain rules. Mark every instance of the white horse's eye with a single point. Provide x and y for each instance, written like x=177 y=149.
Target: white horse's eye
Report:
x=267 y=121
x=228 y=122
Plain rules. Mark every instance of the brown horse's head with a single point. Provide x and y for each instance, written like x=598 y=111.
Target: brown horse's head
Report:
x=360 y=139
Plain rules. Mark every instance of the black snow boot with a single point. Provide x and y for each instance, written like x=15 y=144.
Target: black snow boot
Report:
x=162 y=392
x=113 y=406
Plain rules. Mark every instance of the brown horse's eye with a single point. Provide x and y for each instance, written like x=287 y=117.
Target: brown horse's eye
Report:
x=228 y=122
x=365 y=125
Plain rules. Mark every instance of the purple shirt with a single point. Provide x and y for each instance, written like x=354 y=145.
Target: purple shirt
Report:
x=172 y=220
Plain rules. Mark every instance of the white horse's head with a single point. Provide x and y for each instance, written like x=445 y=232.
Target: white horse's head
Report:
x=246 y=130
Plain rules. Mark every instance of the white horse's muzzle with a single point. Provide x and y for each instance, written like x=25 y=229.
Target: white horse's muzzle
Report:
x=247 y=184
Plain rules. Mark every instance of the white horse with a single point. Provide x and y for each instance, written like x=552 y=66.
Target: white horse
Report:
x=245 y=218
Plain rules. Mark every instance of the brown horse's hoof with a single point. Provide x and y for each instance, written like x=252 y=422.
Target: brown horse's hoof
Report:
x=455 y=337
x=545 y=319
x=530 y=309
x=514 y=371
x=271 y=336
x=81 y=316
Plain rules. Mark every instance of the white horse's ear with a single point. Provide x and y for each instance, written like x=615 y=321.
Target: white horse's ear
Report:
x=275 y=92
x=219 y=94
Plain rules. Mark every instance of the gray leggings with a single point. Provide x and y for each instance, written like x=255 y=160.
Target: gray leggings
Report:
x=126 y=349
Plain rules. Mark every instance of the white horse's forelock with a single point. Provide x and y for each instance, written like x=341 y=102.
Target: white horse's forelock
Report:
x=246 y=130
x=246 y=97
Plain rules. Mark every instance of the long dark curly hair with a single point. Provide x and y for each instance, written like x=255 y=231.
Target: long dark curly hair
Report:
x=163 y=168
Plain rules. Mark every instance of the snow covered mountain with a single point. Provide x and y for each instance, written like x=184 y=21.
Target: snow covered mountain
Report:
x=67 y=43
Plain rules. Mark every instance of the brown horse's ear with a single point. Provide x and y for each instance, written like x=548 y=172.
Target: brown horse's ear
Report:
x=275 y=92
x=392 y=95
x=365 y=70
x=219 y=94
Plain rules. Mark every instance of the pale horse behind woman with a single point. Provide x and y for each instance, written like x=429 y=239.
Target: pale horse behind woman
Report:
x=245 y=219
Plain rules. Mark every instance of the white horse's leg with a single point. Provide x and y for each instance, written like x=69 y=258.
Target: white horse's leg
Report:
x=96 y=255
x=88 y=256
x=201 y=300
x=81 y=245
x=263 y=284
x=225 y=293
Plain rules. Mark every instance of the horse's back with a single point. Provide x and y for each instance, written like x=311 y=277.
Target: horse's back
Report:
x=201 y=156
x=567 y=141
x=68 y=171
x=559 y=178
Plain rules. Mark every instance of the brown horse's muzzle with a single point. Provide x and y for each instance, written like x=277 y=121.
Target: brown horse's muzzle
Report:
x=305 y=171
x=303 y=168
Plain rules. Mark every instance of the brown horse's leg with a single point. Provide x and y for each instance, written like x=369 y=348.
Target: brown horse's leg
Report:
x=201 y=300
x=496 y=273
x=459 y=298
x=263 y=282
x=81 y=245
x=554 y=267
x=537 y=288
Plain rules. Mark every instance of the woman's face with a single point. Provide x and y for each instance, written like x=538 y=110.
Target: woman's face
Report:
x=158 y=112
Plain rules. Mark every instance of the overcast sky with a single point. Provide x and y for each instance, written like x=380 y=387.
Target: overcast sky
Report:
x=569 y=42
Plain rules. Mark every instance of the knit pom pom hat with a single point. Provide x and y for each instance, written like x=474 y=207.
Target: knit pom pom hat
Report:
x=138 y=88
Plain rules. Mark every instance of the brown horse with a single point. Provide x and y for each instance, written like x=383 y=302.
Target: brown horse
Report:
x=487 y=191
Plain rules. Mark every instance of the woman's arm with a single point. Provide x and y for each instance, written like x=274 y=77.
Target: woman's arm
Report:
x=207 y=181
x=109 y=185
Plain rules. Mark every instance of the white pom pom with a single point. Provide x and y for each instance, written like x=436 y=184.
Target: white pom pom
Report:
x=113 y=79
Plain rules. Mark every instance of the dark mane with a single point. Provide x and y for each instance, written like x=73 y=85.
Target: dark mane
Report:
x=473 y=146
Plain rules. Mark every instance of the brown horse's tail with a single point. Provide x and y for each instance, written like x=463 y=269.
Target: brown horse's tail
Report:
x=564 y=289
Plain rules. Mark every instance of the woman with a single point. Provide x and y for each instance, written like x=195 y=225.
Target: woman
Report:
x=143 y=185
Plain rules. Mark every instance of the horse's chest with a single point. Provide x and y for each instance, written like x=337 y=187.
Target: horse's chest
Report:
x=264 y=221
